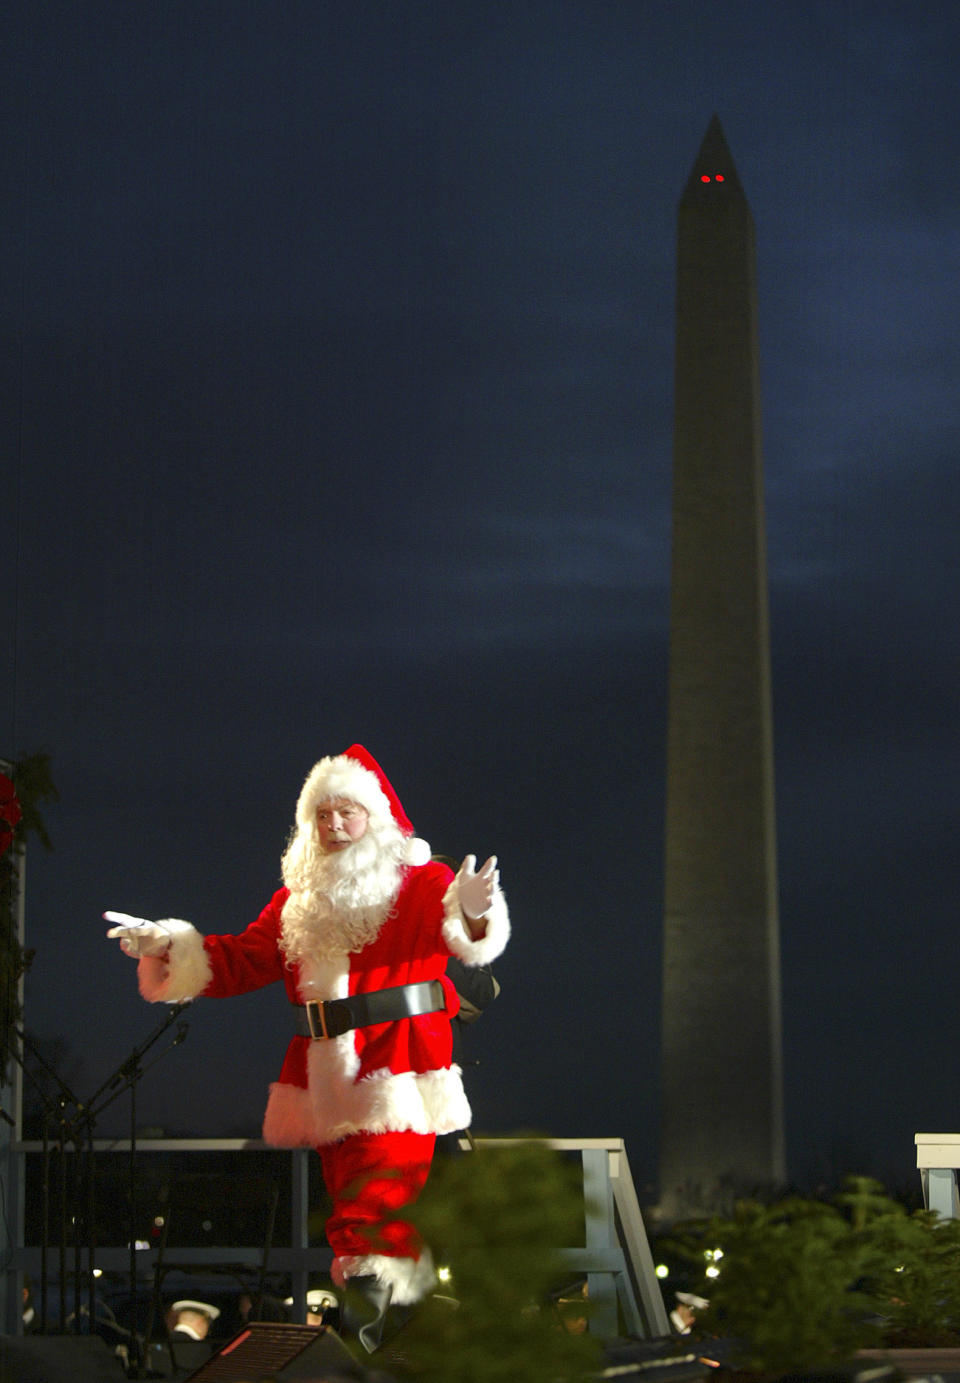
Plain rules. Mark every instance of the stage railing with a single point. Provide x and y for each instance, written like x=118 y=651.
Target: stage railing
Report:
x=615 y=1259
x=938 y=1157
x=298 y=1257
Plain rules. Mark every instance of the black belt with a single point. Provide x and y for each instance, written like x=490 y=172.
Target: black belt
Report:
x=334 y=1017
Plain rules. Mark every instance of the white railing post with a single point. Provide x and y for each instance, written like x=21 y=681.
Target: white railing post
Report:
x=938 y=1157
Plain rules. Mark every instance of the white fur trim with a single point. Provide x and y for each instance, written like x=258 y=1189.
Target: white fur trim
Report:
x=416 y=851
x=410 y=1278
x=485 y=948
x=330 y=979
x=183 y=973
x=288 y=1121
x=341 y=776
x=325 y=977
x=429 y=1102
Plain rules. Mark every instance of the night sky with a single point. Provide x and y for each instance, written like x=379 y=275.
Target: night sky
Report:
x=338 y=345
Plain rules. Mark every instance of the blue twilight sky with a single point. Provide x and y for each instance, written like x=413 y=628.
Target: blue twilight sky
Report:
x=337 y=339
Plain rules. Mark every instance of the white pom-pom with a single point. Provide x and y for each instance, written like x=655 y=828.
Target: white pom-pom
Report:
x=417 y=851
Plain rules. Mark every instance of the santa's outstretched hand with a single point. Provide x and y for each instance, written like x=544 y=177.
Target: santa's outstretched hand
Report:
x=138 y=937
x=475 y=889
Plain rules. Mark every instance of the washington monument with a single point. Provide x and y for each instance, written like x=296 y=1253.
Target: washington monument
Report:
x=722 y=1109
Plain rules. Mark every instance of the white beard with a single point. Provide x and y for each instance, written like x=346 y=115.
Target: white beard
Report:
x=339 y=901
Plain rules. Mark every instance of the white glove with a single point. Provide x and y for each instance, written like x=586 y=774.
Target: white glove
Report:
x=476 y=890
x=138 y=937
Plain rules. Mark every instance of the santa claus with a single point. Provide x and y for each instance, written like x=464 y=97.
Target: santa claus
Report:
x=360 y=935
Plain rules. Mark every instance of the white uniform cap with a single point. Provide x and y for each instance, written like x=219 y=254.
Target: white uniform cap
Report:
x=204 y=1308
x=690 y=1299
x=318 y=1299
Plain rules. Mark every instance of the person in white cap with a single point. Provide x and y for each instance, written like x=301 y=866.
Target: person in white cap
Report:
x=192 y=1319
x=360 y=935
x=320 y=1303
x=684 y=1313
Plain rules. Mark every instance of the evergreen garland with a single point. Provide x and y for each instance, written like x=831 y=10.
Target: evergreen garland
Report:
x=28 y=785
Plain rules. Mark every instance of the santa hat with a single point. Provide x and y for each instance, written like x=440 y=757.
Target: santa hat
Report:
x=356 y=776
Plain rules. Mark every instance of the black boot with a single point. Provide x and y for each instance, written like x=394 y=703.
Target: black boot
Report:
x=364 y=1310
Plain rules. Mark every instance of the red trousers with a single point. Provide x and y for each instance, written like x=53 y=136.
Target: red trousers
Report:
x=371 y=1177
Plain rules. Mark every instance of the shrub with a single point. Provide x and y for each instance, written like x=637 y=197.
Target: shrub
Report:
x=804 y=1283
x=497 y=1217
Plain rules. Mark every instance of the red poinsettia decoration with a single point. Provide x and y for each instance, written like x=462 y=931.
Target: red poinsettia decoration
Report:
x=9 y=812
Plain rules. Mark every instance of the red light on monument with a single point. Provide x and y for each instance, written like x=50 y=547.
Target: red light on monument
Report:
x=719 y=177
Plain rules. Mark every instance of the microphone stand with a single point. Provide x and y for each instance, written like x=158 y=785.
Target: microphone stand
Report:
x=126 y=1077
x=53 y=1108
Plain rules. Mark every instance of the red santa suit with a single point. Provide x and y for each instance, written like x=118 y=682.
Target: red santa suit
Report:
x=373 y=1099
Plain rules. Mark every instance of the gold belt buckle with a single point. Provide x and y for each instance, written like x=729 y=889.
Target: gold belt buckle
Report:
x=314 y=1009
